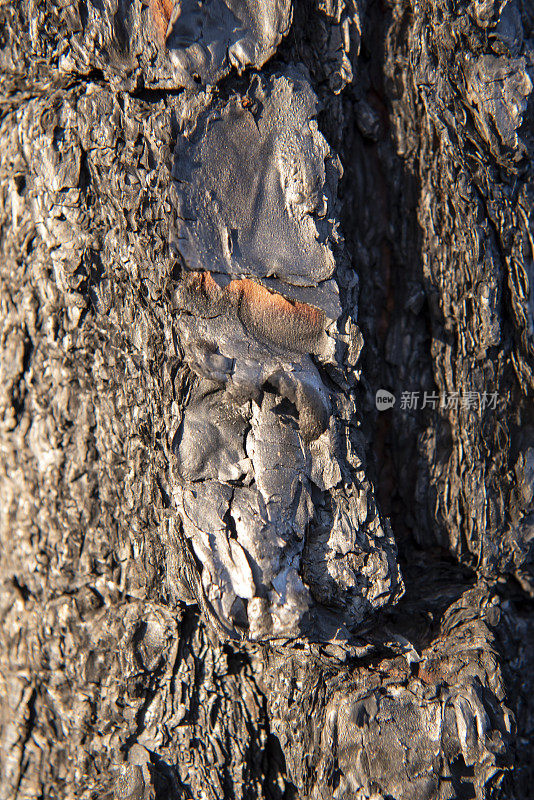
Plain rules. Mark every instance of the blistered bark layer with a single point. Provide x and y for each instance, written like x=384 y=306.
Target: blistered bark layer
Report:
x=206 y=39
x=275 y=501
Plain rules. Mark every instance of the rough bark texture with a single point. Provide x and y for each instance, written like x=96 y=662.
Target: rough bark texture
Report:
x=120 y=675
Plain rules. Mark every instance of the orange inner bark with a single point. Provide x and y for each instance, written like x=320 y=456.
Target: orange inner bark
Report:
x=269 y=313
x=161 y=14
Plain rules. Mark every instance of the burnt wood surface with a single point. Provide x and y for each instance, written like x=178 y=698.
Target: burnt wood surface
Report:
x=133 y=663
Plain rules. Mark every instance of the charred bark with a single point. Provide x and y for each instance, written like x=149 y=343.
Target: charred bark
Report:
x=163 y=389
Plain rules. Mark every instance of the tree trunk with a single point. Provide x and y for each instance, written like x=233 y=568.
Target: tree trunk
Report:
x=366 y=631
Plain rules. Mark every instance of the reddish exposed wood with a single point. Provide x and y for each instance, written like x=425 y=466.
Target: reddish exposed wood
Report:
x=161 y=14
x=266 y=314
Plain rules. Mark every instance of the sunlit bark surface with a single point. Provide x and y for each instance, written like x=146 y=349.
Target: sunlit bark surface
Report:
x=225 y=570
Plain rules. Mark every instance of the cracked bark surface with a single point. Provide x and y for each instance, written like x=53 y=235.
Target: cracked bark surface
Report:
x=117 y=676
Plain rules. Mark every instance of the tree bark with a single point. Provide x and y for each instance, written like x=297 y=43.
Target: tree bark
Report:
x=120 y=675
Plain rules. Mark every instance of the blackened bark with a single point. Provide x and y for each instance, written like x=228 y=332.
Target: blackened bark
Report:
x=114 y=681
